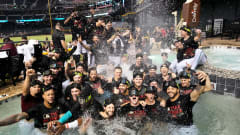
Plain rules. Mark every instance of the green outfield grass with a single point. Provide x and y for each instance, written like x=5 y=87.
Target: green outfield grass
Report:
x=68 y=37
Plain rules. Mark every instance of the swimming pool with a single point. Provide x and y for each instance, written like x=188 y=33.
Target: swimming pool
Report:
x=224 y=57
x=213 y=115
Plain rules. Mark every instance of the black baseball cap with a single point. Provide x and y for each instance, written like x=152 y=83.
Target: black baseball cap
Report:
x=54 y=65
x=124 y=81
x=186 y=29
x=152 y=67
x=184 y=75
x=47 y=73
x=47 y=88
x=133 y=92
x=173 y=84
x=137 y=73
x=108 y=101
x=151 y=89
x=153 y=79
x=36 y=82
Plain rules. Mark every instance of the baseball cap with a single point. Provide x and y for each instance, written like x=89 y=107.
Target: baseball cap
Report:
x=186 y=29
x=36 y=82
x=137 y=73
x=152 y=67
x=47 y=73
x=133 y=92
x=185 y=75
x=164 y=65
x=151 y=89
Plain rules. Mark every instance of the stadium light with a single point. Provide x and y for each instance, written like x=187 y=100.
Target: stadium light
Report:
x=30 y=20
x=59 y=19
x=3 y=21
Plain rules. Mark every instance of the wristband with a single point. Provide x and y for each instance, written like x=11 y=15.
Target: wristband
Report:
x=65 y=117
x=73 y=124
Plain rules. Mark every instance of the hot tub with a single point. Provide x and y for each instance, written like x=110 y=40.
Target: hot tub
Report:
x=225 y=57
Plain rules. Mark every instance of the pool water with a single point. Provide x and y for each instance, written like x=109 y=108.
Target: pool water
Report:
x=223 y=57
x=213 y=115
x=11 y=107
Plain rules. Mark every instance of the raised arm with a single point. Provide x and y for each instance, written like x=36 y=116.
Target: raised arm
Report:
x=69 y=18
x=198 y=36
x=84 y=45
x=203 y=77
x=111 y=39
x=13 y=119
x=27 y=81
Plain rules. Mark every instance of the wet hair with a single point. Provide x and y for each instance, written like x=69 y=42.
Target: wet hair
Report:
x=76 y=85
x=100 y=19
x=118 y=67
x=139 y=55
x=80 y=64
x=91 y=69
x=164 y=54
x=164 y=65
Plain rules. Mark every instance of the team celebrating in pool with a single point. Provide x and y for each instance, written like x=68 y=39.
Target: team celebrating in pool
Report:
x=96 y=77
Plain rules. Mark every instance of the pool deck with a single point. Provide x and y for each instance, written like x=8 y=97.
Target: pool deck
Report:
x=218 y=41
x=12 y=91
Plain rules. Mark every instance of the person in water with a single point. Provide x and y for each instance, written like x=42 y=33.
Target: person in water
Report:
x=134 y=108
x=180 y=106
x=42 y=113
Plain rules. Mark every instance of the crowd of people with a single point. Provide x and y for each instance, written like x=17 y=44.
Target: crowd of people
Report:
x=96 y=77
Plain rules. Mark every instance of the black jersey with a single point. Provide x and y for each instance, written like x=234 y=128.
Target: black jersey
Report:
x=155 y=111
x=132 y=111
x=188 y=51
x=180 y=110
x=57 y=37
x=42 y=115
x=187 y=90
